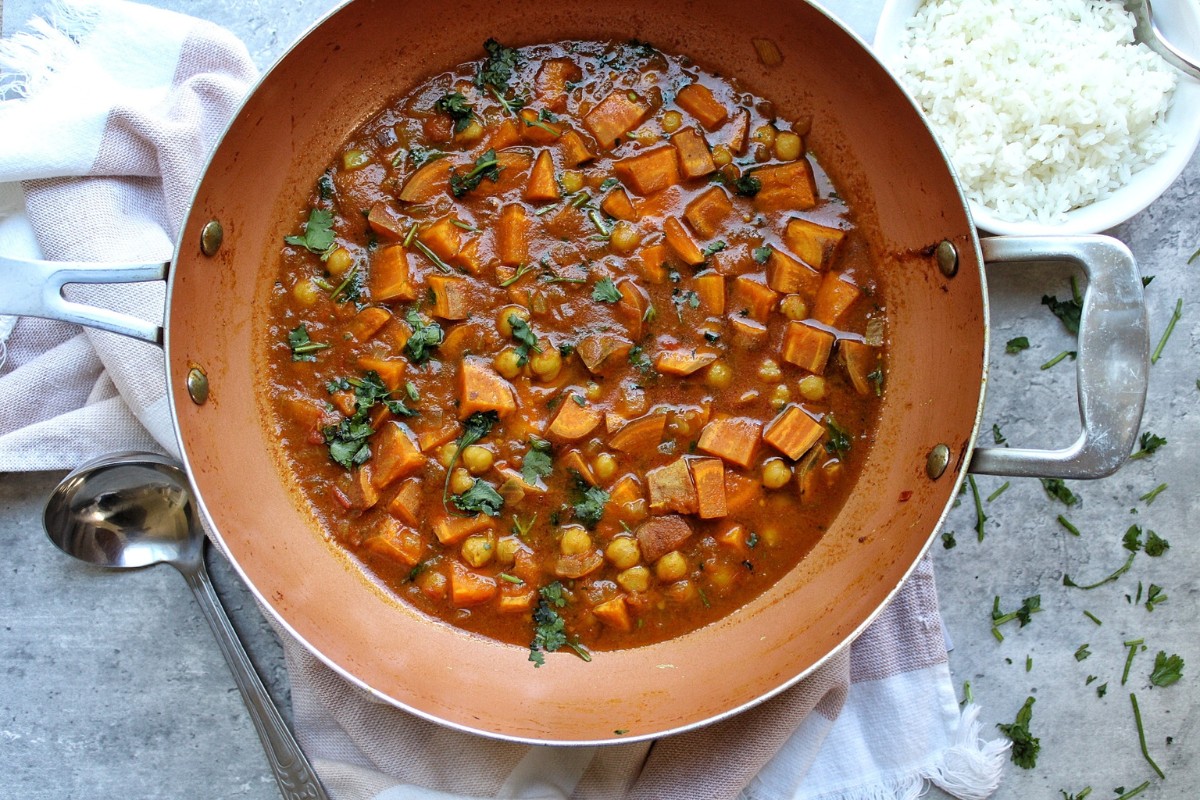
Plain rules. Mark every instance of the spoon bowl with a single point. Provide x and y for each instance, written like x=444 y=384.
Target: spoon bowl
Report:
x=135 y=510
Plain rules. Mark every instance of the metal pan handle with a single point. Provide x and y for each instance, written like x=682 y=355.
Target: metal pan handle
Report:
x=1113 y=363
x=34 y=289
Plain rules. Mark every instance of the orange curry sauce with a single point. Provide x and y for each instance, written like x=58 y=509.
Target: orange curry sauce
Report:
x=611 y=293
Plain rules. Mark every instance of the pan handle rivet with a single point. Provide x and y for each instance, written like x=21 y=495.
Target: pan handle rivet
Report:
x=947 y=258
x=210 y=237
x=939 y=459
x=197 y=385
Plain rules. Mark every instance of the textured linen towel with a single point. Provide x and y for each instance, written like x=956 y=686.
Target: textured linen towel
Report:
x=111 y=109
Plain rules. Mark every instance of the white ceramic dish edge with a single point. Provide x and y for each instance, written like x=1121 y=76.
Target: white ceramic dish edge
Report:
x=1180 y=20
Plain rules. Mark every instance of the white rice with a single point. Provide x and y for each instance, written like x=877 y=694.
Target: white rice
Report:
x=1042 y=105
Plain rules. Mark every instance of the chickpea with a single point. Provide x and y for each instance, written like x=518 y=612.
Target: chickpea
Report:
x=445 y=453
x=623 y=552
x=604 y=466
x=478 y=550
x=722 y=155
x=775 y=473
x=719 y=375
x=572 y=181
x=671 y=567
x=507 y=548
x=671 y=121
x=306 y=292
x=780 y=396
x=793 y=306
x=764 y=135
x=787 y=146
x=461 y=480
x=634 y=579
x=769 y=371
x=575 y=541
x=505 y=315
x=812 y=387
x=338 y=262
x=477 y=459
x=593 y=391
x=546 y=364
x=624 y=237
x=507 y=363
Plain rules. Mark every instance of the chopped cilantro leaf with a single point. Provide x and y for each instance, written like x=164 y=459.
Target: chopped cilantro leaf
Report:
x=318 y=232
x=498 y=68
x=1167 y=669
x=1025 y=746
x=605 y=291
x=303 y=348
x=1155 y=544
x=1057 y=489
x=486 y=166
x=455 y=104
x=347 y=440
x=1016 y=345
x=713 y=249
x=948 y=540
x=425 y=337
x=761 y=254
x=549 y=633
x=481 y=498
x=1149 y=444
x=747 y=185
x=589 y=503
x=1066 y=310
x=525 y=338
x=538 y=462
x=997 y=436
x=839 y=437
x=1082 y=652
x=1154 y=596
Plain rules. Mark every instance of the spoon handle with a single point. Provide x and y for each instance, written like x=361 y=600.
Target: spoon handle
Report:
x=296 y=778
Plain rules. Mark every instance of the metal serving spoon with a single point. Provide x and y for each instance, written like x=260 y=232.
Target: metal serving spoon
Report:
x=134 y=510
x=1147 y=32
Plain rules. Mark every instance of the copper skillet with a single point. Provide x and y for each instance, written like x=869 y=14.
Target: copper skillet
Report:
x=886 y=163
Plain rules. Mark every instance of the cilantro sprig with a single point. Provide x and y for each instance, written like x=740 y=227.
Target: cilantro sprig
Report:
x=456 y=106
x=1025 y=746
x=318 y=233
x=486 y=166
x=348 y=440
x=425 y=338
x=549 y=633
x=303 y=348
x=476 y=426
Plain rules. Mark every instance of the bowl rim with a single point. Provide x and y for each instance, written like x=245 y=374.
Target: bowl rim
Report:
x=1123 y=203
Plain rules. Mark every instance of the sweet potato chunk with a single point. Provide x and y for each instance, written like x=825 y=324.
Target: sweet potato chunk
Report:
x=739 y=133
x=786 y=187
x=391 y=279
x=427 y=182
x=406 y=505
x=792 y=432
x=752 y=296
x=614 y=613
x=707 y=211
x=709 y=476
x=481 y=389
x=681 y=242
x=807 y=347
x=507 y=134
x=397 y=542
x=698 y=100
x=614 y=116
x=574 y=421
x=391 y=372
x=395 y=455
x=576 y=566
x=658 y=536
x=537 y=130
x=575 y=150
x=649 y=172
x=450 y=530
x=618 y=205
x=451 y=295
x=787 y=275
x=542 y=188
x=469 y=588
x=512 y=235
x=596 y=349
x=683 y=362
x=654 y=263
x=710 y=288
x=734 y=439
x=640 y=435
x=815 y=244
x=442 y=237
x=834 y=296
x=671 y=489
x=695 y=160
x=859 y=360
x=552 y=79
x=367 y=322
x=386 y=222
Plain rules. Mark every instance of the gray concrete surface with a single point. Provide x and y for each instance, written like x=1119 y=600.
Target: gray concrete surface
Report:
x=113 y=688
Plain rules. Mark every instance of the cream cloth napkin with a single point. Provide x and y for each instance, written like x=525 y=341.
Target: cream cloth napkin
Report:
x=111 y=109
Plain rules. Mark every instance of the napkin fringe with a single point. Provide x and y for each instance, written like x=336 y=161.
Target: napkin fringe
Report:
x=30 y=58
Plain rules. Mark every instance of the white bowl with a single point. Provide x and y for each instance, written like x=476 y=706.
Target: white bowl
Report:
x=1180 y=22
